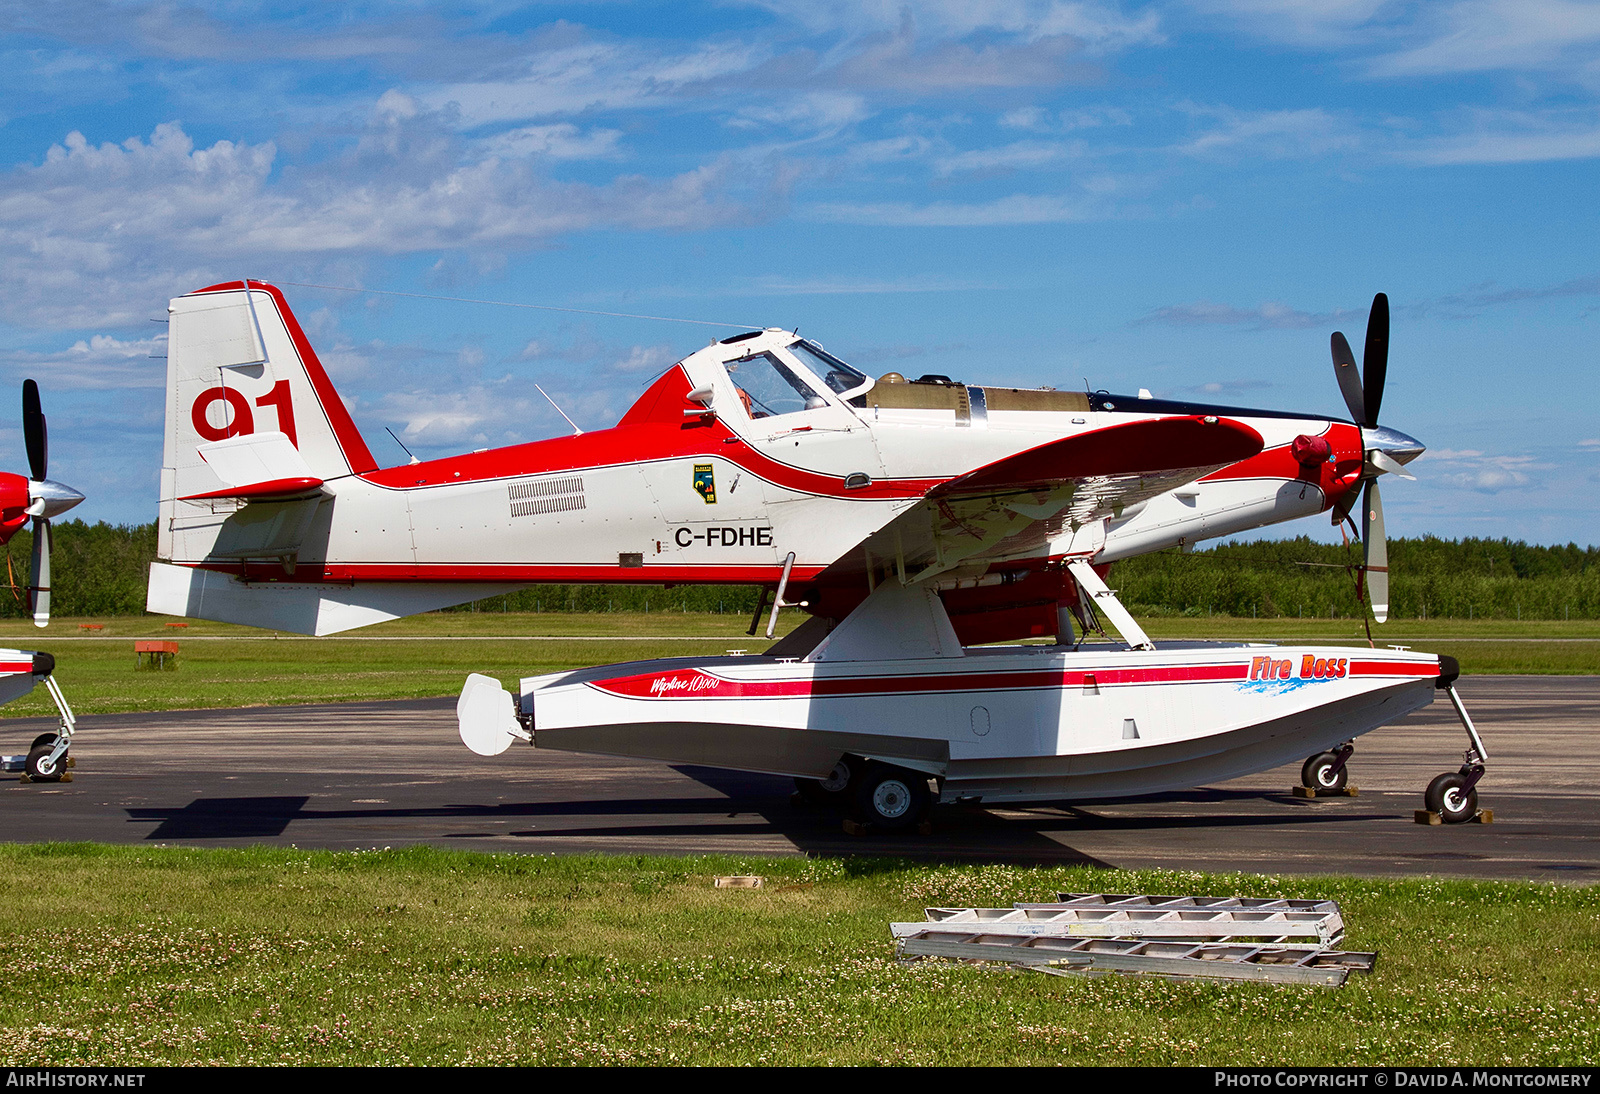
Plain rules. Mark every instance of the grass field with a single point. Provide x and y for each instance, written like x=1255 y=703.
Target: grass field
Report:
x=129 y=956
x=430 y=655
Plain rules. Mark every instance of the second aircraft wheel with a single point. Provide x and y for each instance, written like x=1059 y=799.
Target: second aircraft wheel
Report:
x=835 y=788
x=892 y=797
x=1449 y=796
x=40 y=768
x=1318 y=773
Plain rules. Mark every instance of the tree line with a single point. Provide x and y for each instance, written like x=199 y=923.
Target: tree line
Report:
x=102 y=569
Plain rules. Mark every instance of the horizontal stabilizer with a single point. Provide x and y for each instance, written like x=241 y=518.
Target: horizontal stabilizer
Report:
x=276 y=489
x=301 y=607
x=256 y=465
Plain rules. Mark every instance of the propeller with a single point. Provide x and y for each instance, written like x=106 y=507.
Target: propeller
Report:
x=46 y=499
x=1384 y=451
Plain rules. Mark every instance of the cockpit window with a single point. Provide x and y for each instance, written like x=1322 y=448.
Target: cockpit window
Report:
x=835 y=373
x=767 y=387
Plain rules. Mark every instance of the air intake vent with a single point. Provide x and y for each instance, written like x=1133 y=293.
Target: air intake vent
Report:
x=533 y=497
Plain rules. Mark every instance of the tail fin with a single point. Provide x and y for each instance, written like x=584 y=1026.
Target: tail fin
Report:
x=237 y=364
x=256 y=443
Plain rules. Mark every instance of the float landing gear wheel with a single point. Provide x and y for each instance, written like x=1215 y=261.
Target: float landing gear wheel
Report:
x=836 y=788
x=1454 y=796
x=1326 y=772
x=892 y=797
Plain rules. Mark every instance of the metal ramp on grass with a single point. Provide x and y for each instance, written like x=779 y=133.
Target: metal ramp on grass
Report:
x=1180 y=936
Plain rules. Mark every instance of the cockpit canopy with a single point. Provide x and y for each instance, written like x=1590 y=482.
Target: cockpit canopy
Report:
x=776 y=379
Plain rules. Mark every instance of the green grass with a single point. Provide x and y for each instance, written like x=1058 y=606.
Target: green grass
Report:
x=128 y=956
x=429 y=655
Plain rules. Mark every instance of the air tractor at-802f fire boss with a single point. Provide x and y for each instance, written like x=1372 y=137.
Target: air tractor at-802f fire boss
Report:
x=914 y=521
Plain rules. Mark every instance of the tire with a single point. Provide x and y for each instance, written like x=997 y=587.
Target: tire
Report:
x=40 y=769
x=892 y=798
x=43 y=739
x=836 y=788
x=1318 y=774
x=1449 y=797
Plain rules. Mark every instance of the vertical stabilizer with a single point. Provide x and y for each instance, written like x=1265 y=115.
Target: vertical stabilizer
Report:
x=239 y=365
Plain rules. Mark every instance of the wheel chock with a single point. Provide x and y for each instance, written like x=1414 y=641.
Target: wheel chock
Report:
x=1483 y=816
x=1312 y=792
x=925 y=828
x=855 y=827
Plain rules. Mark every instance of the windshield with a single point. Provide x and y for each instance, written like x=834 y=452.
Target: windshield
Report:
x=835 y=373
x=767 y=387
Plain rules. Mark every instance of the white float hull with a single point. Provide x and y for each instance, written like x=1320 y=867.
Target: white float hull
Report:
x=1002 y=723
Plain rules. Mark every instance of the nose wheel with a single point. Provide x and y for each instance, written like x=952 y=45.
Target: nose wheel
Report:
x=1452 y=798
x=1454 y=795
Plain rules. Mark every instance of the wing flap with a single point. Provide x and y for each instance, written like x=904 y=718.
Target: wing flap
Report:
x=1047 y=501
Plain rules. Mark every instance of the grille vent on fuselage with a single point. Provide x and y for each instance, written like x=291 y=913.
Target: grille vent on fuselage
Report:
x=533 y=497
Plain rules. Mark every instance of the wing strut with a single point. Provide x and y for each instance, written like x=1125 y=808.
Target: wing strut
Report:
x=1106 y=601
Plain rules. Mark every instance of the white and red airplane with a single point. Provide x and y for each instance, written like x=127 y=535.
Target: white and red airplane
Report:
x=913 y=520
x=24 y=497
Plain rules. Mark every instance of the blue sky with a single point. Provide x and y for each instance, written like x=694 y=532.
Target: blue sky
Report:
x=1186 y=196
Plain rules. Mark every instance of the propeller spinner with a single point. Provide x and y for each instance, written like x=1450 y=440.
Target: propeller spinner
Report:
x=1384 y=450
x=46 y=499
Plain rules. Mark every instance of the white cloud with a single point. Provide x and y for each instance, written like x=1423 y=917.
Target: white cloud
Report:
x=98 y=362
x=1039 y=120
x=1511 y=137
x=1019 y=156
x=587 y=75
x=561 y=142
x=1012 y=209
x=1486 y=35
x=645 y=359
x=97 y=236
x=1282 y=134
x=1269 y=316
x=817 y=111
x=1098 y=25
x=1471 y=469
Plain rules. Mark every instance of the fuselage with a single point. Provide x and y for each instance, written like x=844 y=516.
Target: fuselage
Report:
x=723 y=490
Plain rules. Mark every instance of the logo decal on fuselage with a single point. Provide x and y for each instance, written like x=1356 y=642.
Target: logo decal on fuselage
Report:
x=704 y=484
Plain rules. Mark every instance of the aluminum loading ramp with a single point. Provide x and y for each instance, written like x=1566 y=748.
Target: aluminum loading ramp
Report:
x=1176 y=936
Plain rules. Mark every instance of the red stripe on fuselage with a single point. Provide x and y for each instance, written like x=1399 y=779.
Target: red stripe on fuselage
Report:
x=699 y=684
x=626 y=446
x=517 y=574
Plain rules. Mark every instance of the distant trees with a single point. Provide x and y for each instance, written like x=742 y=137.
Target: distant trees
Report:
x=102 y=569
x=95 y=569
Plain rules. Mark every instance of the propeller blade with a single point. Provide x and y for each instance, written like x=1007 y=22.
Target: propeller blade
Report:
x=1375 y=358
x=1376 y=551
x=34 y=432
x=1344 y=367
x=1388 y=464
x=39 y=573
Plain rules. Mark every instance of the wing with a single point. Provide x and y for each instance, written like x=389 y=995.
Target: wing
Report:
x=1048 y=500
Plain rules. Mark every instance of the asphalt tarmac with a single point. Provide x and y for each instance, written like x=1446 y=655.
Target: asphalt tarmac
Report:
x=365 y=775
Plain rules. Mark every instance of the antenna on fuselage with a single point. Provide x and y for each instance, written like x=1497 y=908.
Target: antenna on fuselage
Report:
x=401 y=443
x=576 y=432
